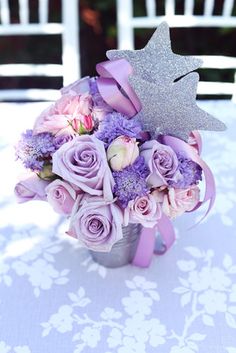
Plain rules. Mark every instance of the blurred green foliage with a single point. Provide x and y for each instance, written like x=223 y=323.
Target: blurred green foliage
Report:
x=98 y=33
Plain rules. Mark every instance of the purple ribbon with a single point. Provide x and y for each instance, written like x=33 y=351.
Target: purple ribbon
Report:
x=146 y=245
x=114 y=87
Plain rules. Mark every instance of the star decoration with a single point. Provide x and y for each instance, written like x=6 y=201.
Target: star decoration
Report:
x=156 y=62
x=172 y=109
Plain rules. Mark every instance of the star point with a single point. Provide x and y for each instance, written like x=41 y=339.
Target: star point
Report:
x=156 y=62
x=172 y=110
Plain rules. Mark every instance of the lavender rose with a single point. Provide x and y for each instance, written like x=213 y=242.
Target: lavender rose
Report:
x=31 y=187
x=61 y=196
x=83 y=163
x=144 y=210
x=162 y=162
x=96 y=223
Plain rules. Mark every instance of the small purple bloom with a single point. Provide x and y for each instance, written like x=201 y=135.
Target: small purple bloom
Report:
x=131 y=182
x=61 y=139
x=190 y=171
x=115 y=125
x=34 y=150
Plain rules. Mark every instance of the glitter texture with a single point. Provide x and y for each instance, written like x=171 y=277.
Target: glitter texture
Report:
x=172 y=109
x=168 y=107
x=156 y=62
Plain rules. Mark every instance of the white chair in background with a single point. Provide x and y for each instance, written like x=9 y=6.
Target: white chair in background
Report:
x=127 y=23
x=69 y=70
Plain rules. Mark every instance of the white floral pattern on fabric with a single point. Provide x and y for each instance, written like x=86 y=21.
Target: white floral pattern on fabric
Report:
x=207 y=290
x=137 y=331
x=5 y=348
x=37 y=262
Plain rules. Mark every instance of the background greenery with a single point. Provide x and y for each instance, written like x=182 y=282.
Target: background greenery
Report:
x=98 y=34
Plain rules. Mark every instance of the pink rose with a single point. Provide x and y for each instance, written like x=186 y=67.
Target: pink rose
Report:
x=61 y=196
x=144 y=210
x=162 y=162
x=83 y=163
x=58 y=118
x=178 y=201
x=122 y=152
x=96 y=223
x=31 y=187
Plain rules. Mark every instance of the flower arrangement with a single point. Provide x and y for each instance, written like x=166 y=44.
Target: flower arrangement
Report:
x=105 y=167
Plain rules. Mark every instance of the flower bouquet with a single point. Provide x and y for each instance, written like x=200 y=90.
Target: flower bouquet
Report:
x=119 y=154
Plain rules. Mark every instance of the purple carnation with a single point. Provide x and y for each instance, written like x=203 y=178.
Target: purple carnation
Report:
x=34 y=150
x=131 y=182
x=115 y=125
x=191 y=172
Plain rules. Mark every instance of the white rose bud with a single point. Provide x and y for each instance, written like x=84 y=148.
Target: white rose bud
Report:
x=122 y=152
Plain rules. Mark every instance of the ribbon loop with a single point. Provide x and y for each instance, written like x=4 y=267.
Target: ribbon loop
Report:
x=114 y=86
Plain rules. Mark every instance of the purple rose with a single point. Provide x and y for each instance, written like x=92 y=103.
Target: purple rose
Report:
x=31 y=187
x=96 y=223
x=61 y=196
x=162 y=162
x=83 y=163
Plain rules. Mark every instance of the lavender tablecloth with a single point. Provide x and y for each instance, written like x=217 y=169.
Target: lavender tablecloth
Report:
x=54 y=298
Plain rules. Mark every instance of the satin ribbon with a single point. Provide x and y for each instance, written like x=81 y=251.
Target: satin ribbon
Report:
x=147 y=241
x=114 y=86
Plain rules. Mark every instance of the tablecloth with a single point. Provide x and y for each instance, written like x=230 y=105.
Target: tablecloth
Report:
x=54 y=298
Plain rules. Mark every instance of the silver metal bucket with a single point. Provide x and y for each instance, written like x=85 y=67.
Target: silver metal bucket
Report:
x=122 y=252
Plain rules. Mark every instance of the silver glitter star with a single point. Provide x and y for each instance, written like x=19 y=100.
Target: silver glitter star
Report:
x=156 y=62
x=172 y=109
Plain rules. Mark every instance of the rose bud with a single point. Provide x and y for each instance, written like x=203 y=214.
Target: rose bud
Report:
x=122 y=152
x=83 y=124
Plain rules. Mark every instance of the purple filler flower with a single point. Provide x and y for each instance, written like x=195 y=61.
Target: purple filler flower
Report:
x=115 y=125
x=34 y=150
x=61 y=139
x=190 y=171
x=131 y=182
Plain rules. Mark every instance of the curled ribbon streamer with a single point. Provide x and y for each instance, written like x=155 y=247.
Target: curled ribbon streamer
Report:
x=112 y=81
x=210 y=192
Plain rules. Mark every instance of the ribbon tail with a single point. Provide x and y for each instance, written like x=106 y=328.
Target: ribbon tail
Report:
x=146 y=245
x=167 y=232
x=145 y=249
